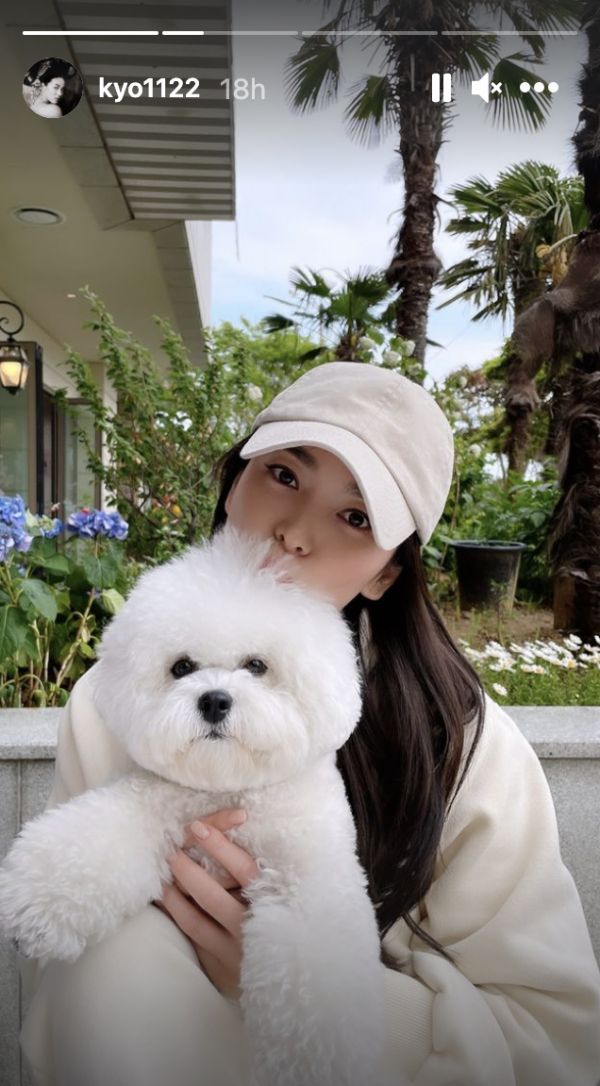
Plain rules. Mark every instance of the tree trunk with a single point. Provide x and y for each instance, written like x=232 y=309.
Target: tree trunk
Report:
x=520 y=392
x=520 y=400
x=414 y=266
x=346 y=348
x=574 y=541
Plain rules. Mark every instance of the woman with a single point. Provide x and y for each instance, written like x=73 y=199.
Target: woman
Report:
x=491 y=976
x=43 y=94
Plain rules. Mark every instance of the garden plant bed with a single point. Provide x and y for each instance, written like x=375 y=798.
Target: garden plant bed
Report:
x=523 y=623
x=523 y=660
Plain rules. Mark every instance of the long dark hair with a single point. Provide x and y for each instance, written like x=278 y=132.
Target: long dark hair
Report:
x=401 y=762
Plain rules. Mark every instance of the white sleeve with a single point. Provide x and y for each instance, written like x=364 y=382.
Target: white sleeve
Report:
x=521 y=1006
x=88 y=755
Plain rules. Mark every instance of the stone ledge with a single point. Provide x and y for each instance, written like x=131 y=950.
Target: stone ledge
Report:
x=554 y=731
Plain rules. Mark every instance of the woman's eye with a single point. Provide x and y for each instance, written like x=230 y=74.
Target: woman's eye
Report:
x=182 y=667
x=255 y=666
x=280 y=467
x=358 y=513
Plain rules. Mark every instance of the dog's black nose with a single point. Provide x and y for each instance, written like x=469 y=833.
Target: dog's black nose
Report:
x=214 y=705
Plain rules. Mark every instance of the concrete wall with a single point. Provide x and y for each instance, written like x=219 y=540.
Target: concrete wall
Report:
x=567 y=741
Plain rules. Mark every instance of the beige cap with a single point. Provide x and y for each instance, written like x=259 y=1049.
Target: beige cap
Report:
x=389 y=432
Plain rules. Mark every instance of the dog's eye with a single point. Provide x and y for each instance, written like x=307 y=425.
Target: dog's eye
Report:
x=256 y=666
x=182 y=667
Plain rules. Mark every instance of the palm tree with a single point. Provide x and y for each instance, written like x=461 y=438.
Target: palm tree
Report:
x=342 y=316
x=398 y=98
x=520 y=230
x=567 y=319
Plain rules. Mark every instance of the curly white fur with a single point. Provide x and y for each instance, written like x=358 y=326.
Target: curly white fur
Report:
x=311 y=979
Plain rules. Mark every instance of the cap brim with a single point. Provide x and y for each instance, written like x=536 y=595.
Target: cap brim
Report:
x=389 y=514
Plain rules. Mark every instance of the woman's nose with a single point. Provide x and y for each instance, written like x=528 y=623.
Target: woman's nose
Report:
x=294 y=541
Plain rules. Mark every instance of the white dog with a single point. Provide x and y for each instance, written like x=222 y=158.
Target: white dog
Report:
x=229 y=686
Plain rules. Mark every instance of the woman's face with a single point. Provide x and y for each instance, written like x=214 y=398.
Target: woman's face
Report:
x=299 y=499
x=53 y=90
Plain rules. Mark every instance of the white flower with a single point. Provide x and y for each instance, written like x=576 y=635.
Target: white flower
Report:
x=473 y=653
x=367 y=344
x=254 y=393
x=499 y=689
x=476 y=450
x=462 y=381
x=391 y=356
x=535 y=669
x=408 y=346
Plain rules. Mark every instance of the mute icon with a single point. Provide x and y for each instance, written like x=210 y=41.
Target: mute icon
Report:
x=481 y=87
x=441 y=87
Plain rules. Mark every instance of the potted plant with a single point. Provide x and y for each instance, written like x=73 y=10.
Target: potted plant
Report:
x=487 y=571
x=488 y=543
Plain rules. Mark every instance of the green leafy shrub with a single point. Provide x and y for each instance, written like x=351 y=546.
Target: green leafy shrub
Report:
x=53 y=604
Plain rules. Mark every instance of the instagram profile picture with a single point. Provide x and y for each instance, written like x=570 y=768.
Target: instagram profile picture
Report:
x=52 y=87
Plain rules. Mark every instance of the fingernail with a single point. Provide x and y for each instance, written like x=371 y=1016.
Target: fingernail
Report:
x=239 y=816
x=200 y=829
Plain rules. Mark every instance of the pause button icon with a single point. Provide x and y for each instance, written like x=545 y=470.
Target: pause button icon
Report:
x=441 y=87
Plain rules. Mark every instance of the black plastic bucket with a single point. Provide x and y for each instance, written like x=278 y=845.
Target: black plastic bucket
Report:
x=487 y=572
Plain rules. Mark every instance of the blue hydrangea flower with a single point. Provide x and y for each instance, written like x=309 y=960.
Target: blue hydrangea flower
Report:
x=7 y=544
x=90 y=523
x=23 y=540
x=13 y=534
x=13 y=539
x=56 y=529
x=12 y=511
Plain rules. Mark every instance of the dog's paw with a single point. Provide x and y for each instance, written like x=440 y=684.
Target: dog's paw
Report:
x=38 y=926
x=32 y=937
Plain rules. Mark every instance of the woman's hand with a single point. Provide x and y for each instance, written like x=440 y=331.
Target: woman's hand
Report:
x=209 y=908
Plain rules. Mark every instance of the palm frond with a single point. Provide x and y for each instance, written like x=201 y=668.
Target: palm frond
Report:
x=475 y=196
x=541 y=15
x=472 y=56
x=513 y=106
x=276 y=322
x=312 y=74
x=368 y=284
x=309 y=282
x=307 y=356
x=371 y=113
x=468 y=225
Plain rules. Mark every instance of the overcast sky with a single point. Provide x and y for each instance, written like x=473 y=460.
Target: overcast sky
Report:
x=308 y=195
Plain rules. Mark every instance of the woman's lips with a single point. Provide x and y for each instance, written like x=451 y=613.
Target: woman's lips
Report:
x=269 y=561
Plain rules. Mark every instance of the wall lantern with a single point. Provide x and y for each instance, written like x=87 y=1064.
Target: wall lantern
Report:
x=14 y=366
